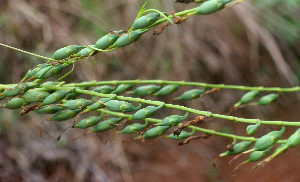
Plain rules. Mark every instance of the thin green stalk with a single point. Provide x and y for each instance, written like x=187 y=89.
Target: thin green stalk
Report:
x=184 y=83
x=208 y=131
x=158 y=103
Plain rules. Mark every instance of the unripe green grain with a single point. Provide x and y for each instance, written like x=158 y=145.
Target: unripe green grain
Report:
x=50 y=71
x=16 y=103
x=12 y=91
x=183 y=135
x=248 y=97
x=257 y=155
x=211 y=6
x=35 y=96
x=85 y=52
x=251 y=129
x=97 y=105
x=106 y=125
x=49 y=109
x=145 y=21
x=167 y=90
x=121 y=106
x=155 y=132
x=65 y=115
x=173 y=120
x=89 y=122
x=33 y=71
x=56 y=96
x=145 y=112
x=122 y=88
x=65 y=52
x=191 y=94
x=145 y=90
x=267 y=99
x=129 y=38
x=105 y=89
x=135 y=127
x=294 y=139
x=76 y=104
x=237 y=148
x=107 y=40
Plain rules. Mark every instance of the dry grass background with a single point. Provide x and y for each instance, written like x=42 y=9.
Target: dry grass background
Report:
x=238 y=46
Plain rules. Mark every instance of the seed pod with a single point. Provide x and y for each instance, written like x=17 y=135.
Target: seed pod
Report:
x=16 y=103
x=183 y=135
x=257 y=155
x=33 y=71
x=50 y=71
x=65 y=115
x=121 y=106
x=74 y=95
x=155 y=132
x=294 y=139
x=211 y=6
x=105 y=89
x=145 y=21
x=191 y=94
x=129 y=38
x=167 y=90
x=89 y=122
x=237 y=148
x=267 y=99
x=107 y=40
x=248 y=97
x=85 y=52
x=106 y=125
x=97 y=105
x=251 y=129
x=12 y=91
x=122 y=88
x=49 y=109
x=267 y=140
x=145 y=112
x=145 y=90
x=76 y=104
x=173 y=120
x=35 y=96
x=135 y=127
x=56 y=96
x=65 y=52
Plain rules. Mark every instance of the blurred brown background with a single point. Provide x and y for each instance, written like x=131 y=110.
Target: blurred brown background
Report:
x=254 y=43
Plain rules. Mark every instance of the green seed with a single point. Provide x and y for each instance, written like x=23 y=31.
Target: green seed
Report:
x=145 y=21
x=56 y=96
x=257 y=155
x=16 y=103
x=76 y=104
x=145 y=90
x=65 y=52
x=85 y=52
x=122 y=88
x=173 y=120
x=97 y=105
x=248 y=97
x=268 y=140
x=23 y=87
x=105 y=89
x=89 y=122
x=135 y=127
x=65 y=115
x=107 y=40
x=121 y=106
x=49 y=109
x=33 y=71
x=267 y=99
x=211 y=6
x=191 y=94
x=106 y=125
x=294 y=139
x=155 y=132
x=237 y=148
x=35 y=96
x=129 y=38
x=146 y=112
x=183 y=135
x=50 y=71
x=167 y=90
x=251 y=129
